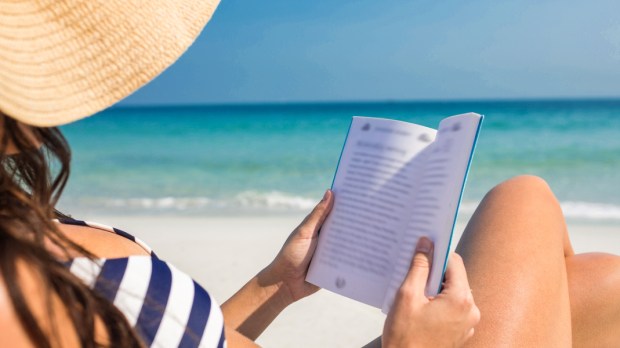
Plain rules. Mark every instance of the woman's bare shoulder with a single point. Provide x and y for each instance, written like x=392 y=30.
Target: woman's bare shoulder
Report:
x=101 y=243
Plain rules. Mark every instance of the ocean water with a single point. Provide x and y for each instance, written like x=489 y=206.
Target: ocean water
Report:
x=258 y=159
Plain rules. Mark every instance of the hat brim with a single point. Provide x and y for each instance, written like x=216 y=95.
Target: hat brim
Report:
x=66 y=60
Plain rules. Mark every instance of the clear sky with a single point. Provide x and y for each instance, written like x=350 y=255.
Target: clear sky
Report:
x=335 y=50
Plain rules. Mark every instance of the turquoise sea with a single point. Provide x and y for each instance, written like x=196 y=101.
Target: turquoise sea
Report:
x=279 y=158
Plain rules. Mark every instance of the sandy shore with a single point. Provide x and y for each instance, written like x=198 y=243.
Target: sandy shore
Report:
x=222 y=253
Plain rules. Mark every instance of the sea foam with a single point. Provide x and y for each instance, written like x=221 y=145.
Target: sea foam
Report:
x=591 y=211
x=246 y=201
x=572 y=210
x=277 y=201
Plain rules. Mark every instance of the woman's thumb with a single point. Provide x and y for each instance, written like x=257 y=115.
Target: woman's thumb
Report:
x=420 y=265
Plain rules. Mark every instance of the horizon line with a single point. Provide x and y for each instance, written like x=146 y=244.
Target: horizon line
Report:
x=368 y=102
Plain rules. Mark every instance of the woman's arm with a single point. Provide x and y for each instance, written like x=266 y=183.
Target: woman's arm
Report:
x=12 y=333
x=46 y=307
x=259 y=302
x=448 y=319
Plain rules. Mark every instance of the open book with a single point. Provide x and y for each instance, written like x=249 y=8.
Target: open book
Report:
x=395 y=182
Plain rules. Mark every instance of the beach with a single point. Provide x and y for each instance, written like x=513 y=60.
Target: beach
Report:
x=223 y=252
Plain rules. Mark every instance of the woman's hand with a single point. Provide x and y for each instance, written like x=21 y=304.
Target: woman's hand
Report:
x=262 y=298
x=446 y=320
x=291 y=264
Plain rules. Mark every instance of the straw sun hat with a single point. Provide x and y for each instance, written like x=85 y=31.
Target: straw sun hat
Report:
x=62 y=60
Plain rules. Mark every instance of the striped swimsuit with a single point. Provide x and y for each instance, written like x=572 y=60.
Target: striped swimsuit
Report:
x=164 y=305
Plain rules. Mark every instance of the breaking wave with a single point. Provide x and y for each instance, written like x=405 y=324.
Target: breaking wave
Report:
x=247 y=201
x=276 y=201
x=571 y=209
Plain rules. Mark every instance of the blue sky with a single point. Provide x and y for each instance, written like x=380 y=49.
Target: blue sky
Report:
x=288 y=51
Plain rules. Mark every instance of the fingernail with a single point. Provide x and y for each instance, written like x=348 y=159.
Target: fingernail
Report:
x=325 y=196
x=424 y=245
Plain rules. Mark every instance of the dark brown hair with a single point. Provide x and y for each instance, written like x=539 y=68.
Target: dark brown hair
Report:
x=31 y=182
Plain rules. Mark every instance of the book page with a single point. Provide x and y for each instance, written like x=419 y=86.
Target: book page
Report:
x=434 y=213
x=373 y=189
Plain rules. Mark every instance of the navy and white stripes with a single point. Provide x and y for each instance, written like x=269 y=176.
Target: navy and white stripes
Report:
x=165 y=306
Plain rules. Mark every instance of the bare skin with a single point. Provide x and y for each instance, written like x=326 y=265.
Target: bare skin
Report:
x=62 y=334
x=532 y=290
x=14 y=335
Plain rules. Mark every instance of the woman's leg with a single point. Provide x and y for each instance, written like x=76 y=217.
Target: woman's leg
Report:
x=514 y=249
x=594 y=290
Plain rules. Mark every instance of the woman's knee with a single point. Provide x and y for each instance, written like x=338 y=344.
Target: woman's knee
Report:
x=527 y=190
x=526 y=211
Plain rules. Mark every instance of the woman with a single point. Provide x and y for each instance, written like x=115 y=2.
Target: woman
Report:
x=68 y=283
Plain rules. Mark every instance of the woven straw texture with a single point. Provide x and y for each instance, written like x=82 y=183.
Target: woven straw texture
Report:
x=62 y=60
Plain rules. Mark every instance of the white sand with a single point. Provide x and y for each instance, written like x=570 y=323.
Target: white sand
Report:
x=222 y=253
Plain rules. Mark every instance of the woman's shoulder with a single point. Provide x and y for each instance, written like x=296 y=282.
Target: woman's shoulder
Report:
x=101 y=240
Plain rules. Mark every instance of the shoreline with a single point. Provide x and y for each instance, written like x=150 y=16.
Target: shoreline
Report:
x=223 y=252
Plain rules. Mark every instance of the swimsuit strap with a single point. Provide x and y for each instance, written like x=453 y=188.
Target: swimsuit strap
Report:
x=108 y=229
